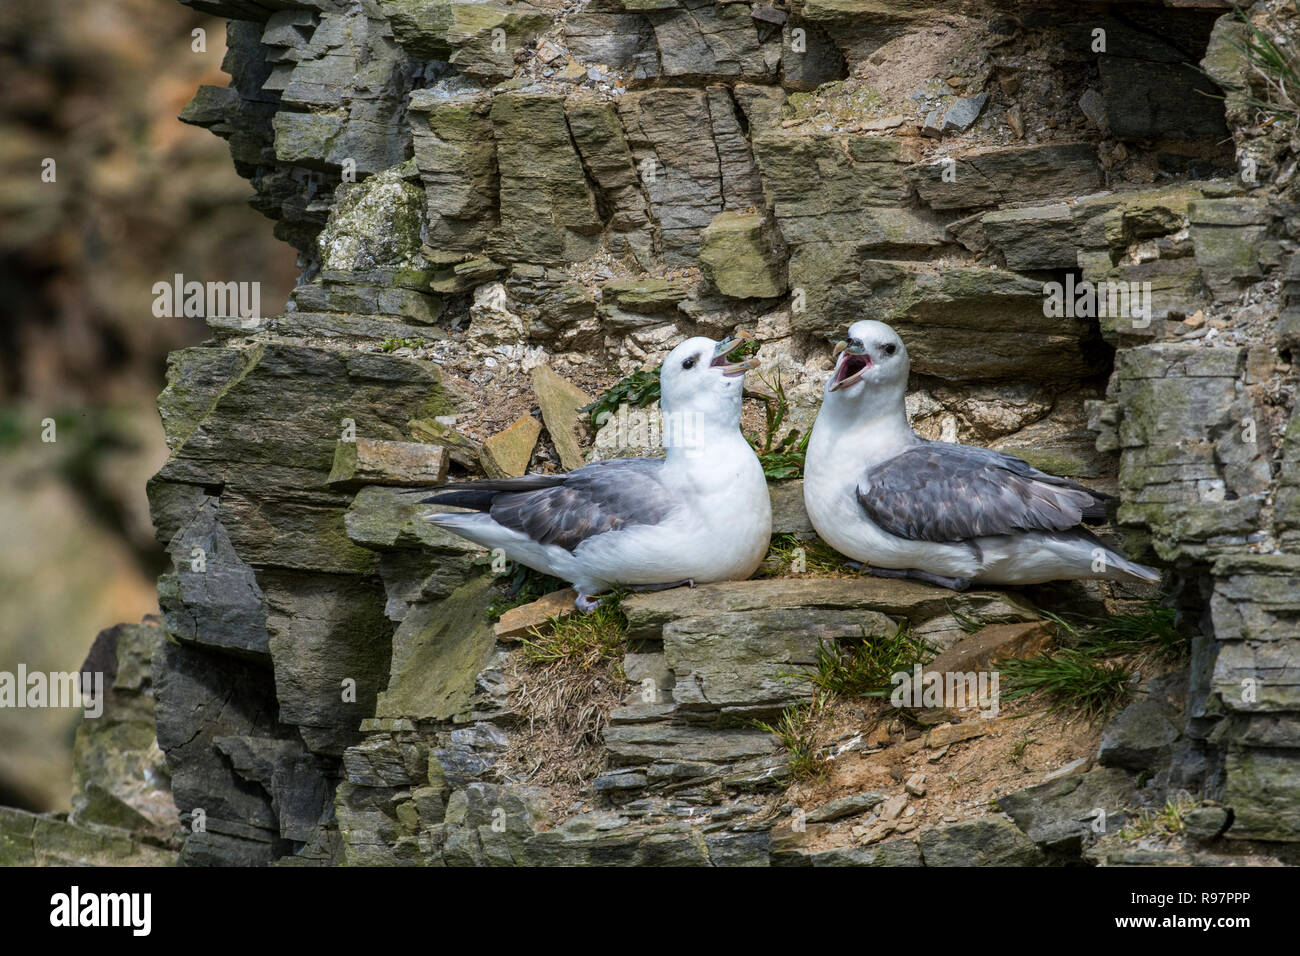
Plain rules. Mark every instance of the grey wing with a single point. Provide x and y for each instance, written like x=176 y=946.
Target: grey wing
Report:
x=600 y=497
x=937 y=491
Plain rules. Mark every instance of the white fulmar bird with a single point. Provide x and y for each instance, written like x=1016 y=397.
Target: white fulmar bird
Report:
x=702 y=514
x=949 y=514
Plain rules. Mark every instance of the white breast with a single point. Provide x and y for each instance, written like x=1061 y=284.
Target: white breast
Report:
x=835 y=463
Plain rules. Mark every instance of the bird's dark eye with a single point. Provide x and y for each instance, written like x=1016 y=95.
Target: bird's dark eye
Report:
x=689 y=363
x=891 y=349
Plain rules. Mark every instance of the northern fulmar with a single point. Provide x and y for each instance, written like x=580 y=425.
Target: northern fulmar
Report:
x=701 y=514
x=949 y=514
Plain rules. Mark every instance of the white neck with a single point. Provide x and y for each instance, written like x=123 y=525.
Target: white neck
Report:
x=692 y=438
x=852 y=434
x=881 y=412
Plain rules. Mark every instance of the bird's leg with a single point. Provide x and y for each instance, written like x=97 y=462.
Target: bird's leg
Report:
x=952 y=584
x=586 y=604
x=640 y=588
x=887 y=571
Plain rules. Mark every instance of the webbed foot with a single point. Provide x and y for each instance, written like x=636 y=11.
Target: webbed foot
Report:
x=953 y=584
x=643 y=588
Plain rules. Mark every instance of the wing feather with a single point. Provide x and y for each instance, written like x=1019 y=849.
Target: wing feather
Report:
x=938 y=491
x=566 y=510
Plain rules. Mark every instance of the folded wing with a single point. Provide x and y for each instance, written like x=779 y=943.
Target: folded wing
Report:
x=568 y=509
x=937 y=491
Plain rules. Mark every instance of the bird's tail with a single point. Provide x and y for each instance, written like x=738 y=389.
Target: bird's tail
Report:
x=1120 y=568
x=479 y=495
x=474 y=526
x=1113 y=566
x=479 y=499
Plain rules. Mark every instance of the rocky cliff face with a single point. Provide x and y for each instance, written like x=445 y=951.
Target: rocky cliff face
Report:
x=482 y=190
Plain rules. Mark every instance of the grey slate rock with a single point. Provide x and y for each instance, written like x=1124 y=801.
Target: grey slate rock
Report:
x=962 y=114
x=212 y=597
x=991 y=841
x=1063 y=813
x=1140 y=735
x=845 y=807
x=888 y=853
x=739 y=849
x=1206 y=823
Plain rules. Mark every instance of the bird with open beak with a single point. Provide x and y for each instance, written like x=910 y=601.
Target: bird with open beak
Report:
x=940 y=512
x=701 y=514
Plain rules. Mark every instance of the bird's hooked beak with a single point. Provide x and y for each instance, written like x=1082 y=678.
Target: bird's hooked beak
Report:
x=855 y=363
x=725 y=348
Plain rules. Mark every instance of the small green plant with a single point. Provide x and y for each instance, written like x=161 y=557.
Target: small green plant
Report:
x=1168 y=821
x=521 y=586
x=1071 y=677
x=1018 y=749
x=638 y=390
x=584 y=641
x=1150 y=630
x=865 y=666
x=782 y=456
x=1277 y=66
x=569 y=678
x=859 y=667
x=392 y=345
x=796 y=730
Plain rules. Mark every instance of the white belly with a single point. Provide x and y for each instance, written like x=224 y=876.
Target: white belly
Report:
x=723 y=537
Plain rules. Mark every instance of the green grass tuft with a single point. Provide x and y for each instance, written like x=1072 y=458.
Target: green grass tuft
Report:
x=584 y=641
x=1071 y=677
x=1151 y=630
x=782 y=457
x=1017 y=753
x=1276 y=65
x=1168 y=821
x=796 y=730
x=863 y=667
x=860 y=667
x=1092 y=670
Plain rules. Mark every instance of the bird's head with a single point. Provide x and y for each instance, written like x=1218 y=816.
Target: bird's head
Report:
x=871 y=364
x=701 y=379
